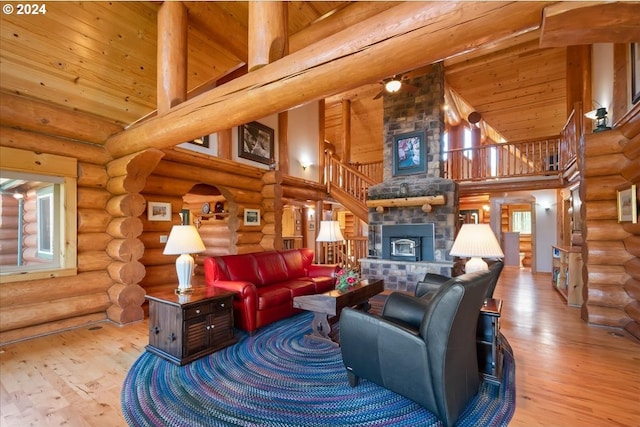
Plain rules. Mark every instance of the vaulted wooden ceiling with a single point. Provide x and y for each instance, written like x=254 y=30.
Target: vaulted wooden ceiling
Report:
x=100 y=57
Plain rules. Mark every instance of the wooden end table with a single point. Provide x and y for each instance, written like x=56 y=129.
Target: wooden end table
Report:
x=487 y=340
x=326 y=307
x=183 y=328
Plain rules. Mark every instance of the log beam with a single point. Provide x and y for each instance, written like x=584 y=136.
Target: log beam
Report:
x=172 y=55
x=267 y=32
x=41 y=117
x=344 y=61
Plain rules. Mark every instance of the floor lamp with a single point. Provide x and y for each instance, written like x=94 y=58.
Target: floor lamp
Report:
x=476 y=241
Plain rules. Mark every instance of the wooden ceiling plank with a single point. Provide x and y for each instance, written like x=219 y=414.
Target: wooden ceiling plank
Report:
x=349 y=14
x=37 y=41
x=220 y=27
x=302 y=14
x=46 y=86
x=69 y=71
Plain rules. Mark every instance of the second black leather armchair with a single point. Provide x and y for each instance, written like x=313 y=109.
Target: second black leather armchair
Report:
x=421 y=348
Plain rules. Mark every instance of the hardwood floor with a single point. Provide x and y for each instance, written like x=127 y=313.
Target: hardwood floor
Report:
x=567 y=373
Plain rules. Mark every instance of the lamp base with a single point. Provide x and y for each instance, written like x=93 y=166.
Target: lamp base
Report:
x=182 y=291
x=475 y=264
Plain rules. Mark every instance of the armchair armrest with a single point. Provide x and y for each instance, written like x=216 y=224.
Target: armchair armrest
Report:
x=405 y=309
x=317 y=270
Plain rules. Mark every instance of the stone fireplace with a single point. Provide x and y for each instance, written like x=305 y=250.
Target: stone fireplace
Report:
x=407 y=239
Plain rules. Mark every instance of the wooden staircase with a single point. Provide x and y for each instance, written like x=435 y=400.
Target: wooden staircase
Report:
x=347 y=186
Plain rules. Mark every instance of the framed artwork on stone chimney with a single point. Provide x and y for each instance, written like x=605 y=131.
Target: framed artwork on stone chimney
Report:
x=409 y=153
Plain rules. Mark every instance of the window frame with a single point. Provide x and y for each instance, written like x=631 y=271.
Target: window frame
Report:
x=64 y=171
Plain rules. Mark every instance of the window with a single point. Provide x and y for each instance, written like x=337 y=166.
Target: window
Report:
x=38 y=234
x=521 y=222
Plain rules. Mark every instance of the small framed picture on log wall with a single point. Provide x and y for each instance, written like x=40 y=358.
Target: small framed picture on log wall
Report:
x=203 y=141
x=252 y=217
x=158 y=211
x=628 y=205
x=255 y=142
x=635 y=72
x=408 y=153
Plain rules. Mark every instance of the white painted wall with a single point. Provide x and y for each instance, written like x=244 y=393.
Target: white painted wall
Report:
x=304 y=129
x=546 y=227
x=602 y=78
x=546 y=223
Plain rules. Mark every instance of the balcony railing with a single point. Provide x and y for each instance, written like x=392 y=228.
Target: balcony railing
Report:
x=345 y=253
x=534 y=157
x=518 y=159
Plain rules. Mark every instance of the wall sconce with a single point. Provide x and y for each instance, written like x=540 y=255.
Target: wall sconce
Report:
x=599 y=115
x=305 y=164
x=601 y=120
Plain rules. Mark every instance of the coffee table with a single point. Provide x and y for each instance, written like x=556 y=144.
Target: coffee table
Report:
x=326 y=307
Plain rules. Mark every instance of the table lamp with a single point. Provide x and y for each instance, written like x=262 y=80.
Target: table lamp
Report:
x=184 y=240
x=476 y=241
x=329 y=232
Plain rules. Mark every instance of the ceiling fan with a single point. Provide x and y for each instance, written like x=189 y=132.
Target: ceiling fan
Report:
x=395 y=84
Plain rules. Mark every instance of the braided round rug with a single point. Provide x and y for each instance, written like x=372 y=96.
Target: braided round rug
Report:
x=280 y=378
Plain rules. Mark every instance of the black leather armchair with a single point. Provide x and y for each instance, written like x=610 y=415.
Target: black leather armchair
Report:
x=431 y=281
x=421 y=348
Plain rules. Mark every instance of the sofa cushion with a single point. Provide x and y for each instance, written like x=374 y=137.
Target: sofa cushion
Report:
x=295 y=263
x=273 y=296
x=300 y=287
x=271 y=267
x=242 y=267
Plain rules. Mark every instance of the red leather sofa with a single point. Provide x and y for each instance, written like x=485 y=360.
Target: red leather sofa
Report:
x=266 y=282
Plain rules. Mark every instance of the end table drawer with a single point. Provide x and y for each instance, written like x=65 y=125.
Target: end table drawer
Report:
x=223 y=304
x=196 y=311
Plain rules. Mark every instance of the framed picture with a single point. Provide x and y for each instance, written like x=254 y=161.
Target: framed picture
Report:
x=409 y=153
x=203 y=141
x=185 y=215
x=628 y=205
x=252 y=217
x=158 y=211
x=470 y=216
x=255 y=142
x=635 y=72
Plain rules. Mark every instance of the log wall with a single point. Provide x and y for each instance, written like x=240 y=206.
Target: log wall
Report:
x=37 y=307
x=611 y=249
x=173 y=178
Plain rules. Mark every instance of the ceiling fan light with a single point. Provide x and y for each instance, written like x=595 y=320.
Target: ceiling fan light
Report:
x=392 y=86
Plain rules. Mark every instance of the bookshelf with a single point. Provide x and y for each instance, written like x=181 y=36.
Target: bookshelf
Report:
x=566 y=273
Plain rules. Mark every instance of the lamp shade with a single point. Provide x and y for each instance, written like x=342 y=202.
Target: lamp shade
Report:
x=329 y=232
x=476 y=241
x=183 y=239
